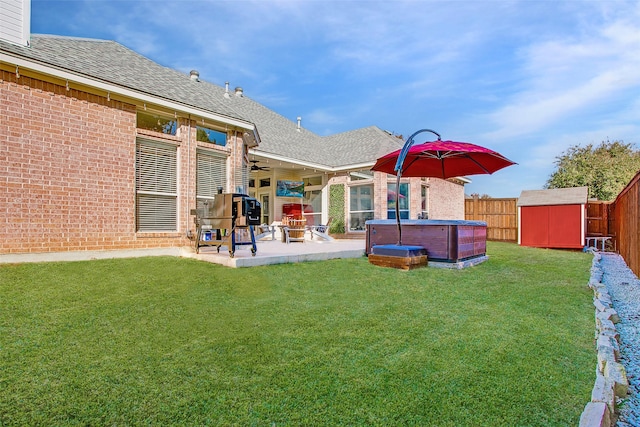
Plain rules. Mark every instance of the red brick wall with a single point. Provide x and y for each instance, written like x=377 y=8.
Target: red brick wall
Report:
x=67 y=171
x=446 y=199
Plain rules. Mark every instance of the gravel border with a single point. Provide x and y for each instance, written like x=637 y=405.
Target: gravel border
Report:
x=615 y=400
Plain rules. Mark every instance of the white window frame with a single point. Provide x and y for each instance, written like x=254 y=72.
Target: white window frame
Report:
x=350 y=224
x=406 y=210
x=156 y=186
x=424 y=201
x=309 y=189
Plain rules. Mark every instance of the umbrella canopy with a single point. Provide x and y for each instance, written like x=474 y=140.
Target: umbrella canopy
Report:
x=443 y=159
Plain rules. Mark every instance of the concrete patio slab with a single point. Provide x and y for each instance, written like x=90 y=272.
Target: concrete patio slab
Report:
x=276 y=252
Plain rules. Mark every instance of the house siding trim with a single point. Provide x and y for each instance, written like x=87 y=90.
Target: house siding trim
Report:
x=16 y=16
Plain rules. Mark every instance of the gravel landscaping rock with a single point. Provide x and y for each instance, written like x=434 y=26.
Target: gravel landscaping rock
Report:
x=624 y=289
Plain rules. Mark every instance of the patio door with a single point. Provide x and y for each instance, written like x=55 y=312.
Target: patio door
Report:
x=312 y=211
x=313 y=207
x=265 y=205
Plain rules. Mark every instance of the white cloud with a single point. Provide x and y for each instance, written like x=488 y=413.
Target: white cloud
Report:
x=323 y=118
x=565 y=78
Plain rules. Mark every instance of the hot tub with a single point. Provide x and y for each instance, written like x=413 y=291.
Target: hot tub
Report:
x=445 y=240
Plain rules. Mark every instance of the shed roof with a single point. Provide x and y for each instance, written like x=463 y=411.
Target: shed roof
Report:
x=556 y=196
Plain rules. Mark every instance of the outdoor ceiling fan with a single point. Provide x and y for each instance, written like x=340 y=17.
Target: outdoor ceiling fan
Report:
x=255 y=167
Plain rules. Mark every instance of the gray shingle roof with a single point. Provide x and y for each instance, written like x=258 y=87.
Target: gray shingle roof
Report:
x=362 y=145
x=112 y=63
x=557 y=196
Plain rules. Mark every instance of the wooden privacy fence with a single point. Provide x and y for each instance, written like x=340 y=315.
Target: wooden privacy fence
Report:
x=599 y=220
x=619 y=219
x=501 y=216
x=625 y=212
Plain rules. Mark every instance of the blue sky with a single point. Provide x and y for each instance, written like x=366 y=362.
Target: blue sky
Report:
x=526 y=78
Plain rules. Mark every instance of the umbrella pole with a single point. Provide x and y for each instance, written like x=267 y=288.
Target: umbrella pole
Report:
x=398 y=208
x=398 y=169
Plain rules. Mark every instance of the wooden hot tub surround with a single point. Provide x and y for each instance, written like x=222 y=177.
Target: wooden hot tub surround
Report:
x=445 y=240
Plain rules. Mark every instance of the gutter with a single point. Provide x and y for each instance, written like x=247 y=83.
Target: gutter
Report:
x=310 y=165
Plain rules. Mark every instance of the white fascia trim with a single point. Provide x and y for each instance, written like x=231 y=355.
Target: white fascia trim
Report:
x=583 y=223
x=309 y=164
x=108 y=87
x=325 y=167
x=355 y=166
x=519 y=225
x=287 y=159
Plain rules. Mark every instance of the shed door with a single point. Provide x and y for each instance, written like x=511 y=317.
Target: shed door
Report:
x=558 y=226
x=565 y=226
x=534 y=226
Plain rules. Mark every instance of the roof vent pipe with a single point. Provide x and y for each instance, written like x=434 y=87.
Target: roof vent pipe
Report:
x=195 y=75
x=226 y=89
x=299 y=121
x=238 y=91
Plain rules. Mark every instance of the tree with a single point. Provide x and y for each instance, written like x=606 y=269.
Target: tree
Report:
x=478 y=196
x=605 y=169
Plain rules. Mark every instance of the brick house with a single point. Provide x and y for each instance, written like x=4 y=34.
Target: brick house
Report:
x=103 y=149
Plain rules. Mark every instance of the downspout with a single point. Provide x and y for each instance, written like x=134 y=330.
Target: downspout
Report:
x=189 y=234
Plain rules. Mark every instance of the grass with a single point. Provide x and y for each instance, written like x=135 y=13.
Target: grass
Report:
x=169 y=341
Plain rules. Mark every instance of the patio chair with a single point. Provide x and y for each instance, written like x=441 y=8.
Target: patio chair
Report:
x=321 y=231
x=264 y=230
x=294 y=232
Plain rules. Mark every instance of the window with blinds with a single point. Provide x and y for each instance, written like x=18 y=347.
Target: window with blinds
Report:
x=156 y=186
x=211 y=174
x=241 y=180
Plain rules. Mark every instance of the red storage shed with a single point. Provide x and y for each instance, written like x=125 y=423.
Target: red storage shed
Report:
x=553 y=218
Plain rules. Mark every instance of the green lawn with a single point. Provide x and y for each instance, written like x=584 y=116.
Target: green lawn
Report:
x=169 y=341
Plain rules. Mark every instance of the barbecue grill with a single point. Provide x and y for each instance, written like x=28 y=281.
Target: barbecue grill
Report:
x=220 y=219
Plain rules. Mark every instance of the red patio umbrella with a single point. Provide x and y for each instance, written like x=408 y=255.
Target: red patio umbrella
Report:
x=443 y=159
x=439 y=159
